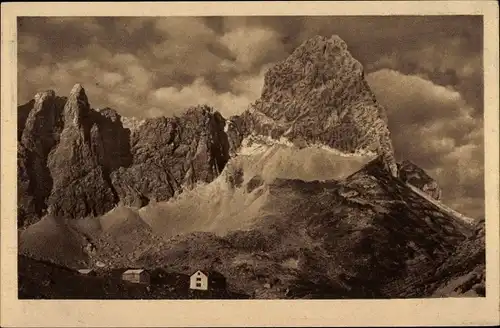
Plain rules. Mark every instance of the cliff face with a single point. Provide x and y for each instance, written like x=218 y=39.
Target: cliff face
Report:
x=80 y=186
x=76 y=161
x=171 y=153
x=40 y=128
x=319 y=95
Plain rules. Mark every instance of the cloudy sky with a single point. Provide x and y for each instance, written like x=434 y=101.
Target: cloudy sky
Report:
x=427 y=71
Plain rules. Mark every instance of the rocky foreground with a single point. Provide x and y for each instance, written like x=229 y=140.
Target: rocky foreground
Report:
x=300 y=196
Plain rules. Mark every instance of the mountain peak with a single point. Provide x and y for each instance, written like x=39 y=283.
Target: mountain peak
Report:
x=318 y=62
x=326 y=48
x=40 y=97
x=335 y=39
x=77 y=91
x=322 y=46
x=318 y=95
x=76 y=107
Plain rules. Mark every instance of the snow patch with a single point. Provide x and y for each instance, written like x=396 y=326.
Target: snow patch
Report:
x=255 y=144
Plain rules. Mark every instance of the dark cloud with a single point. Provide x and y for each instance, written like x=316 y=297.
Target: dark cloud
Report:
x=446 y=49
x=433 y=126
x=427 y=70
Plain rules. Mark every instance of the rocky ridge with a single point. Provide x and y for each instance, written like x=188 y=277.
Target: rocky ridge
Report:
x=414 y=175
x=75 y=161
x=87 y=161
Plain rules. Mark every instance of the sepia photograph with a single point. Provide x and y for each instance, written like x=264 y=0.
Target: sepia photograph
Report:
x=250 y=157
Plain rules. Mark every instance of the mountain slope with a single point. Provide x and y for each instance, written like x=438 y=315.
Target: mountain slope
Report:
x=53 y=239
x=364 y=236
x=367 y=231
x=368 y=227
x=464 y=273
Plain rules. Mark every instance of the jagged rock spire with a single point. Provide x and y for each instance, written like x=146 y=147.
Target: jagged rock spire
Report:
x=76 y=107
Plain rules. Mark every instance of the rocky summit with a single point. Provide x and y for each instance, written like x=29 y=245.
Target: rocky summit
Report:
x=300 y=196
x=318 y=95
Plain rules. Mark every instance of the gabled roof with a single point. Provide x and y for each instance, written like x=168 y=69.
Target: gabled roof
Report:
x=209 y=273
x=202 y=271
x=135 y=271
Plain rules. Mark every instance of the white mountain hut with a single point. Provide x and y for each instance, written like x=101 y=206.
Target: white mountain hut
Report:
x=207 y=280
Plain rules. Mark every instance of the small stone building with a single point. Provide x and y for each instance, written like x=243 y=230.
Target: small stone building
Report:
x=138 y=276
x=207 y=280
x=86 y=272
